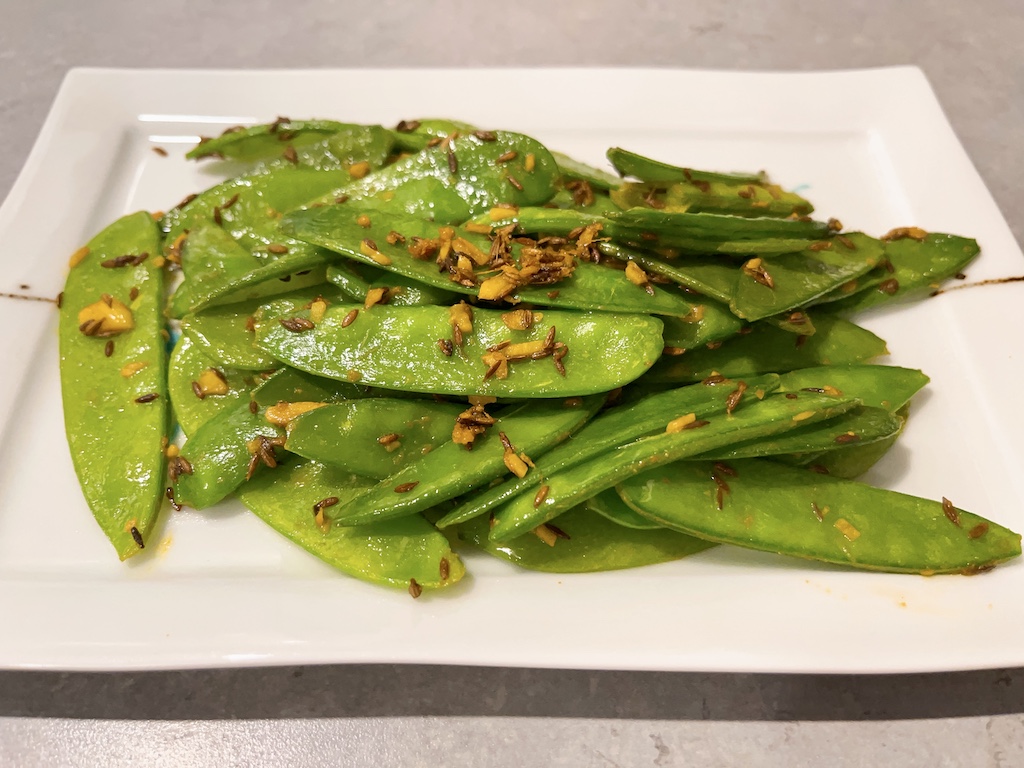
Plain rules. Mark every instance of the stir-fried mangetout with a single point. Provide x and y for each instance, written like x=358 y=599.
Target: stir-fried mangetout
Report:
x=399 y=343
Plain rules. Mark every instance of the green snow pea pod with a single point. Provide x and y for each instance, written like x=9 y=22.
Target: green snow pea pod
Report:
x=593 y=544
x=405 y=348
x=355 y=280
x=219 y=271
x=215 y=459
x=795 y=512
x=713 y=197
x=611 y=507
x=565 y=489
x=414 y=135
x=113 y=369
x=767 y=348
x=343 y=229
x=876 y=386
x=644 y=168
x=451 y=182
x=574 y=170
x=225 y=332
x=861 y=425
x=188 y=364
x=450 y=470
x=780 y=283
x=851 y=461
x=289 y=385
x=263 y=142
x=917 y=266
x=393 y=553
x=616 y=426
x=373 y=437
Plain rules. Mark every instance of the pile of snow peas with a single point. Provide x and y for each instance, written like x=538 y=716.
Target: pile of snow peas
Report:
x=399 y=343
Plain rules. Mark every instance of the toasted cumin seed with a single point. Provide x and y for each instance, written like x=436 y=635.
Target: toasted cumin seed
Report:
x=735 y=396
x=254 y=407
x=499 y=346
x=290 y=155
x=389 y=438
x=198 y=390
x=407 y=126
x=673 y=351
x=330 y=501
x=890 y=286
x=847 y=242
x=445 y=345
x=800 y=341
x=277 y=248
x=950 y=511
x=133 y=294
x=217 y=218
x=160 y=151
x=444 y=569
x=108 y=348
x=817 y=511
x=506 y=156
x=846 y=437
x=515 y=183
x=791 y=395
x=414 y=588
x=453 y=163
x=434 y=141
x=107 y=299
x=169 y=493
x=406 y=487
x=254 y=462
x=138 y=538
x=485 y=135
x=558 y=531
x=148 y=398
x=724 y=469
x=60 y=300
x=978 y=531
x=553 y=294
x=296 y=324
x=541 y=495
x=493 y=369
x=349 y=318
x=715 y=378
x=395 y=238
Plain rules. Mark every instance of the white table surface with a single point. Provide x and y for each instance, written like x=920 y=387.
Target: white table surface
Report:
x=392 y=715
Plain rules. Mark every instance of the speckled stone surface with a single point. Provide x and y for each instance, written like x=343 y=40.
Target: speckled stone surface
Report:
x=385 y=715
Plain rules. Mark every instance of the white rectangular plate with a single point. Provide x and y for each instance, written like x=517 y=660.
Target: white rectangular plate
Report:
x=872 y=148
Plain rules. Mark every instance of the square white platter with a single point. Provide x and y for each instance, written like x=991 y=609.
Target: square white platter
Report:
x=872 y=148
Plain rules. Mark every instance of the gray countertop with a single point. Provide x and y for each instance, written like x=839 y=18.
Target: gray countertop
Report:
x=416 y=715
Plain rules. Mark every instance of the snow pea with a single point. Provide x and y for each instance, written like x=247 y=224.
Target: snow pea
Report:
x=591 y=286
x=567 y=488
x=398 y=348
x=593 y=544
x=646 y=169
x=918 y=265
x=574 y=170
x=876 y=386
x=713 y=197
x=113 y=369
x=449 y=470
x=372 y=437
x=611 y=507
x=262 y=142
x=393 y=553
x=355 y=280
x=799 y=278
x=225 y=332
x=709 y=322
x=187 y=364
x=616 y=426
x=289 y=385
x=460 y=177
x=217 y=455
x=767 y=348
x=795 y=512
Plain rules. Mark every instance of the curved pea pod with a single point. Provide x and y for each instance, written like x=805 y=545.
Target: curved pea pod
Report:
x=767 y=348
x=851 y=461
x=393 y=553
x=575 y=170
x=356 y=280
x=590 y=543
x=918 y=265
x=188 y=366
x=616 y=426
x=291 y=386
x=373 y=437
x=876 y=386
x=646 y=169
x=708 y=322
x=773 y=284
x=611 y=507
x=414 y=135
x=215 y=459
x=860 y=426
x=700 y=196
x=218 y=270
x=368 y=237
x=794 y=512
x=450 y=470
x=398 y=348
x=113 y=369
x=565 y=489
x=263 y=142
x=226 y=333
x=451 y=182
